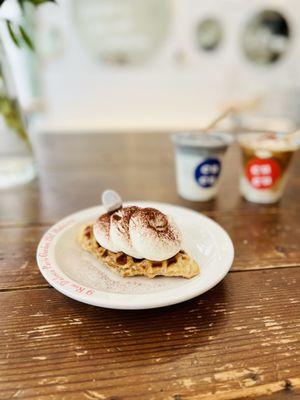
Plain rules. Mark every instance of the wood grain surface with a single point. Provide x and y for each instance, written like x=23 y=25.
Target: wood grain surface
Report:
x=240 y=340
x=17 y=257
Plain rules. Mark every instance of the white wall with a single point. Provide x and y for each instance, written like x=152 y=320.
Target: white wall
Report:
x=81 y=93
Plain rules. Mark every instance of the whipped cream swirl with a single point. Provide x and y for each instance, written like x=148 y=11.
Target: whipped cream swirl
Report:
x=139 y=232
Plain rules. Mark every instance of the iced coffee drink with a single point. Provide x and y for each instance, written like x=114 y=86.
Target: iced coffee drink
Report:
x=265 y=162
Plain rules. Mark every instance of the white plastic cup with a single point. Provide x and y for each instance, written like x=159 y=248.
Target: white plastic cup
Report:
x=265 y=165
x=198 y=157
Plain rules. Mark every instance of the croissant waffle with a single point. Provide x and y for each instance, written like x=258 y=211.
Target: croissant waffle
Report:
x=179 y=265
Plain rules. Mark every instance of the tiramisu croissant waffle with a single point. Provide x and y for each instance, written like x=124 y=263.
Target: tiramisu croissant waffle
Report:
x=138 y=241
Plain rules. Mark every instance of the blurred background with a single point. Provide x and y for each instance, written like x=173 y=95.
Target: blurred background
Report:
x=157 y=65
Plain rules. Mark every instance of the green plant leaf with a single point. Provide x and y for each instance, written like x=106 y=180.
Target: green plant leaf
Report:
x=21 y=33
x=21 y=4
x=12 y=33
x=26 y=37
x=36 y=2
x=11 y=113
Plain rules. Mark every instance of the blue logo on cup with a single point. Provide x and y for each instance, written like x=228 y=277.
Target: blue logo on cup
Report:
x=207 y=173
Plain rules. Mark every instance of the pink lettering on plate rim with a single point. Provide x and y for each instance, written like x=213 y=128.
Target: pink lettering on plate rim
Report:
x=56 y=277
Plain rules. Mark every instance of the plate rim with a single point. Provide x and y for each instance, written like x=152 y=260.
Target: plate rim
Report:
x=112 y=303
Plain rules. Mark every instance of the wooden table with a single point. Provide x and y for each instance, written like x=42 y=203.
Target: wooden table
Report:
x=239 y=340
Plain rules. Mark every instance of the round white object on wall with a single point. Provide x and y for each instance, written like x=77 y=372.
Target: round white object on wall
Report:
x=122 y=32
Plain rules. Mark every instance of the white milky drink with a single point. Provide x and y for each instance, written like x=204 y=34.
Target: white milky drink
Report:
x=198 y=157
x=265 y=162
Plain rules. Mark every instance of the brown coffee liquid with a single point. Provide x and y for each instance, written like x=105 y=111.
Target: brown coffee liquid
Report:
x=283 y=158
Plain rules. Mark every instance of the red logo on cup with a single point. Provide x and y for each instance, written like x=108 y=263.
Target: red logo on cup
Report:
x=262 y=173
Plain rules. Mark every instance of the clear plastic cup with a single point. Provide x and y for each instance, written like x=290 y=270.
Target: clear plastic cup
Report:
x=266 y=159
x=198 y=157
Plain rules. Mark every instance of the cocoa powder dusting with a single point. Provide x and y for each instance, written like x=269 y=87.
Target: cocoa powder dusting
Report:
x=104 y=222
x=150 y=219
x=122 y=217
x=158 y=222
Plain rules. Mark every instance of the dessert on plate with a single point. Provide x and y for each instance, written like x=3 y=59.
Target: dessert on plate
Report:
x=137 y=241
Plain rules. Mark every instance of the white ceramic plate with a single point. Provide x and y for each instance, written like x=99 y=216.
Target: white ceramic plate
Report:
x=77 y=274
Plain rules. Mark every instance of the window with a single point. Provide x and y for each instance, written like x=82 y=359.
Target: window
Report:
x=266 y=37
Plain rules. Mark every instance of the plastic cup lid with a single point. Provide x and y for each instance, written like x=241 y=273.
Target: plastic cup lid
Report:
x=202 y=139
x=269 y=141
